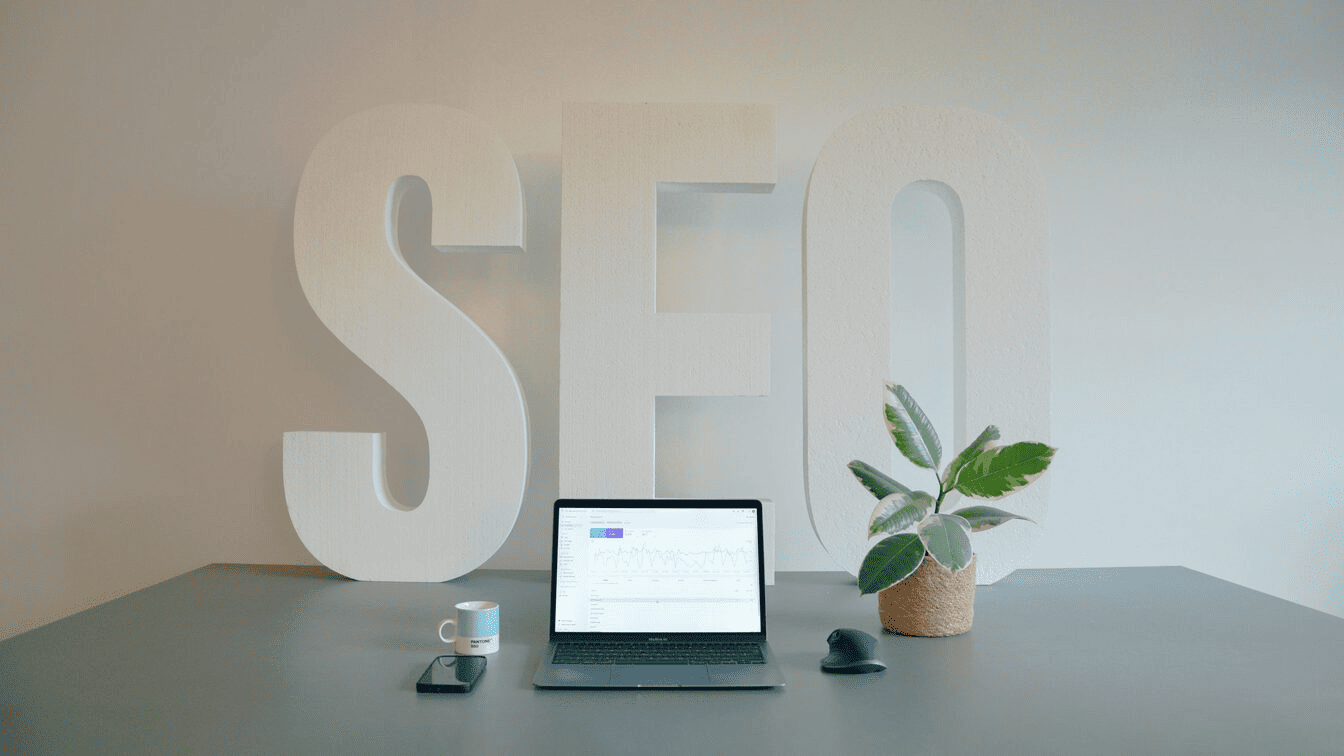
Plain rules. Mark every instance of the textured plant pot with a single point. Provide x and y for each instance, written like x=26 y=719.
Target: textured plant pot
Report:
x=933 y=602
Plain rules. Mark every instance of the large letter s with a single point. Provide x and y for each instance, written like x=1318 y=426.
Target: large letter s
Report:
x=451 y=373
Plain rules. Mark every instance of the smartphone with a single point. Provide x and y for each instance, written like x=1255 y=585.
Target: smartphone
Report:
x=451 y=674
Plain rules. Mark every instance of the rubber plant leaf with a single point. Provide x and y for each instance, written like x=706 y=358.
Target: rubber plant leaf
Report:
x=999 y=471
x=911 y=430
x=899 y=511
x=948 y=540
x=983 y=517
x=878 y=483
x=892 y=560
x=981 y=443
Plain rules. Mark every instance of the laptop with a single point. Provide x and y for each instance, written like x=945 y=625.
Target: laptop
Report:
x=657 y=593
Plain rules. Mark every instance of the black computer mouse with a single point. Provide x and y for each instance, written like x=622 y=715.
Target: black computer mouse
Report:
x=851 y=652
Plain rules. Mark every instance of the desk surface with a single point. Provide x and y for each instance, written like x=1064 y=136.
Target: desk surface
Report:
x=251 y=659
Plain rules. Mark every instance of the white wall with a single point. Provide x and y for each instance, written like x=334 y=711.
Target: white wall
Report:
x=156 y=343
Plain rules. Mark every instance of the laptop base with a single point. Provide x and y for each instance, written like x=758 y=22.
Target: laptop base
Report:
x=658 y=676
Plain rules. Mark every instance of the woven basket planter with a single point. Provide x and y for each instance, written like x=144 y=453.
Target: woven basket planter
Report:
x=933 y=602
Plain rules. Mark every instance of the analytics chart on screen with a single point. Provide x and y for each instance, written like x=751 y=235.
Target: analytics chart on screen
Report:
x=657 y=570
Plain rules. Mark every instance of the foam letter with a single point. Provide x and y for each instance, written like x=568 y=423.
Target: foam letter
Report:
x=616 y=351
x=1001 y=313
x=451 y=373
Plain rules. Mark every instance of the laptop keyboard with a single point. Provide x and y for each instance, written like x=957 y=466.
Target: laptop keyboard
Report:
x=658 y=653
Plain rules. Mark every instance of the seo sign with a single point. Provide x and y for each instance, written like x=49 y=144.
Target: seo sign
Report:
x=617 y=352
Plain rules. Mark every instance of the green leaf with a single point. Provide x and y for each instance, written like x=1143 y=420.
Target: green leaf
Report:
x=982 y=517
x=892 y=560
x=912 y=431
x=999 y=471
x=979 y=445
x=899 y=511
x=948 y=540
x=877 y=482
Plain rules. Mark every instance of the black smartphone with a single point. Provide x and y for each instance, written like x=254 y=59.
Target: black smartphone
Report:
x=451 y=674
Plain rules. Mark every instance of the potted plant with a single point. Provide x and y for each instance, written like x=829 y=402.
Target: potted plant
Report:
x=924 y=569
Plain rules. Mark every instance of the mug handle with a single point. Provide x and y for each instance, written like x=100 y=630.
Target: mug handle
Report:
x=444 y=624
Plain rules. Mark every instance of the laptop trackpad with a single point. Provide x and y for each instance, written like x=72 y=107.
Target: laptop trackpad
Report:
x=660 y=675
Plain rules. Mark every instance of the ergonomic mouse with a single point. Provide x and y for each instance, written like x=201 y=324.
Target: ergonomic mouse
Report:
x=851 y=652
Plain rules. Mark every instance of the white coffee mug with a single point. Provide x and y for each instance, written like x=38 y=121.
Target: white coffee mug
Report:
x=476 y=628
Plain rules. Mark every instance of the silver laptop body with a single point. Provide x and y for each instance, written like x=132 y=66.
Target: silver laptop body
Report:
x=681 y=581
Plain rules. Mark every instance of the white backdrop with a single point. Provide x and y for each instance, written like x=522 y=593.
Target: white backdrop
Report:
x=155 y=344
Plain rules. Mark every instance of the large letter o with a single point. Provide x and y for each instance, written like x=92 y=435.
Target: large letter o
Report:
x=1001 y=312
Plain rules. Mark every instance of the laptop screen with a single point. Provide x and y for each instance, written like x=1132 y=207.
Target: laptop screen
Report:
x=657 y=566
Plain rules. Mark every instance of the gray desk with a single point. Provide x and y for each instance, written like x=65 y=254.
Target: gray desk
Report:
x=288 y=660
